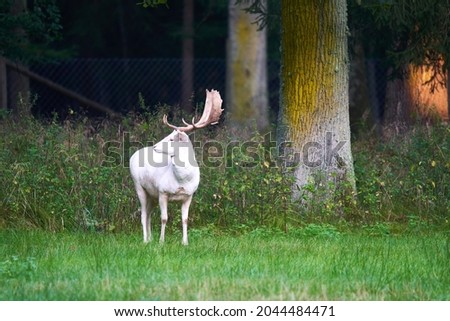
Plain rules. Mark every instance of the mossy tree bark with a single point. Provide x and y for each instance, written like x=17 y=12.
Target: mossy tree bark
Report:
x=247 y=97
x=313 y=124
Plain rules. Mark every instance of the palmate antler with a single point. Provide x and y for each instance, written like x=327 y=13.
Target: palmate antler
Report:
x=211 y=113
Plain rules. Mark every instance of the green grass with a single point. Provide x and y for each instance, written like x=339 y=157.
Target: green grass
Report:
x=260 y=265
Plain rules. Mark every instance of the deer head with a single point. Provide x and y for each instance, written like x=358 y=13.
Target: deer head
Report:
x=179 y=137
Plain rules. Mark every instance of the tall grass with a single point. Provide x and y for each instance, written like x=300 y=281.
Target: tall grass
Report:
x=406 y=179
x=73 y=175
x=37 y=265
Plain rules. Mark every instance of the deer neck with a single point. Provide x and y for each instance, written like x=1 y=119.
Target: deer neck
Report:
x=184 y=163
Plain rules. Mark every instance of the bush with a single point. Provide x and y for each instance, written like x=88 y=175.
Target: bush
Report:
x=55 y=178
x=406 y=179
x=247 y=189
x=74 y=175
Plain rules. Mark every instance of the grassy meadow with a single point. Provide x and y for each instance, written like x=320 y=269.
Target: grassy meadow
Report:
x=260 y=265
x=70 y=225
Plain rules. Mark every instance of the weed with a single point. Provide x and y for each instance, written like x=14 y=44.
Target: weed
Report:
x=73 y=175
x=406 y=179
x=16 y=267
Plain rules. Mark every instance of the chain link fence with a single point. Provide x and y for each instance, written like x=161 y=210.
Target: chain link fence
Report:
x=118 y=83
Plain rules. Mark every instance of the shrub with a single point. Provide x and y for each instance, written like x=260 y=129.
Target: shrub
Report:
x=406 y=179
x=74 y=175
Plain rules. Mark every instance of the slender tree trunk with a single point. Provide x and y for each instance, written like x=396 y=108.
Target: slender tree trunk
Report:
x=187 y=78
x=247 y=95
x=18 y=84
x=3 y=85
x=359 y=91
x=429 y=103
x=398 y=107
x=313 y=126
x=448 y=94
x=122 y=28
x=412 y=99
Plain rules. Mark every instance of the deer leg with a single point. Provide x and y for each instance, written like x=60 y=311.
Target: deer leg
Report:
x=163 y=200
x=145 y=218
x=184 y=218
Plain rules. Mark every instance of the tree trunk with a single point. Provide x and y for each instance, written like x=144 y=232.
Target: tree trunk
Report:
x=398 y=107
x=429 y=104
x=187 y=78
x=448 y=94
x=3 y=85
x=122 y=28
x=247 y=96
x=412 y=99
x=313 y=125
x=18 y=84
x=359 y=92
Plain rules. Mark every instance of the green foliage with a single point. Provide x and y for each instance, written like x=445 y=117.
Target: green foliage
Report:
x=73 y=175
x=414 y=32
x=55 y=178
x=247 y=189
x=406 y=179
x=27 y=35
x=152 y=3
x=15 y=267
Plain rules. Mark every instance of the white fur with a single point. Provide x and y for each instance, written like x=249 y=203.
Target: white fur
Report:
x=164 y=172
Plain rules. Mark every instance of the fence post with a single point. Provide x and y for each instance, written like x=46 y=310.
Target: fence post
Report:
x=3 y=85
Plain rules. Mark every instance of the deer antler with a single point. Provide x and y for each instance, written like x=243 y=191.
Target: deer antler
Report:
x=165 y=122
x=211 y=113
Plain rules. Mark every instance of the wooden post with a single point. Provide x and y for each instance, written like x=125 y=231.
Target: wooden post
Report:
x=3 y=85
x=18 y=83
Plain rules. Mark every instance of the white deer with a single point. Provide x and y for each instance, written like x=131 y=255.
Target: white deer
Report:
x=168 y=170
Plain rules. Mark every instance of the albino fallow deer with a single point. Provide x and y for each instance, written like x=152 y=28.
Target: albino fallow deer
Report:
x=169 y=171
